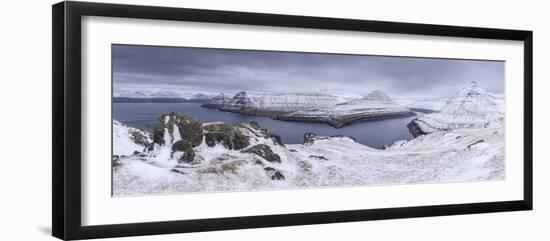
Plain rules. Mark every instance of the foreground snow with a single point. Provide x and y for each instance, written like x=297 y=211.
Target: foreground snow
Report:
x=127 y=140
x=445 y=156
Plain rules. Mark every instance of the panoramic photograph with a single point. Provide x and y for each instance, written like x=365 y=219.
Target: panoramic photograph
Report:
x=189 y=120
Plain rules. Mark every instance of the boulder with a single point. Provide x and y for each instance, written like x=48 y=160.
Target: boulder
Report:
x=186 y=149
x=139 y=137
x=415 y=129
x=254 y=125
x=229 y=136
x=257 y=129
x=276 y=139
x=188 y=128
x=274 y=173
x=265 y=152
x=309 y=138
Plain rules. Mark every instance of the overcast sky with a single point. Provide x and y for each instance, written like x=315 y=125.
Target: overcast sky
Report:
x=230 y=71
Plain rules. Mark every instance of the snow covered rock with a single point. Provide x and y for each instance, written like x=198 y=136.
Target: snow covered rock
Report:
x=446 y=156
x=230 y=136
x=263 y=151
x=471 y=107
x=173 y=127
x=376 y=105
x=183 y=150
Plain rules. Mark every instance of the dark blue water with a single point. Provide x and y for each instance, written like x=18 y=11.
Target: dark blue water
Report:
x=372 y=133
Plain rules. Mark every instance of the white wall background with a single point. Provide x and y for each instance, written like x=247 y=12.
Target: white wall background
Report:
x=25 y=122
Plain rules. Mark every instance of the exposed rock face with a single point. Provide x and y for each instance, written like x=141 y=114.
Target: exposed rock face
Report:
x=265 y=152
x=274 y=173
x=231 y=137
x=179 y=127
x=309 y=138
x=185 y=151
x=139 y=137
x=415 y=129
x=276 y=139
x=374 y=106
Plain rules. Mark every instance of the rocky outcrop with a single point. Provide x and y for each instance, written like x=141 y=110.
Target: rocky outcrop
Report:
x=184 y=151
x=415 y=129
x=231 y=137
x=174 y=127
x=264 y=151
x=274 y=173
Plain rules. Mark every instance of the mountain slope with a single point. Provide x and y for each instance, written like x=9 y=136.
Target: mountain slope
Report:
x=471 y=107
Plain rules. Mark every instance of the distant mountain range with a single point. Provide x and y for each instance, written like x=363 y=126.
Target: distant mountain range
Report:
x=160 y=97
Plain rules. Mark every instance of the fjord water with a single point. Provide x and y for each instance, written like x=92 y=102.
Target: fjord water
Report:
x=372 y=133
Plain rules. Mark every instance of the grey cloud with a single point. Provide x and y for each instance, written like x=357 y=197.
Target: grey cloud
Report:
x=219 y=70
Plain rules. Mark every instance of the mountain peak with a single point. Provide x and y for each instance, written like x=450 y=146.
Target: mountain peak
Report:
x=378 y=95
x=473 y=83
x=471 y=99
x=241 y=94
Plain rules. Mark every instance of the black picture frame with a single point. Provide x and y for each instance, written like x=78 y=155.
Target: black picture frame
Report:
x=66 y=158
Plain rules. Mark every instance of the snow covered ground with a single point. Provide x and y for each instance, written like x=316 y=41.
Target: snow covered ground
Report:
x=127 y=140
x=428 y=104
x=446 y=156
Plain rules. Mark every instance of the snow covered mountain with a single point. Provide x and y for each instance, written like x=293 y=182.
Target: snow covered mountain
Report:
x=271 y=104
x=217 y=101
x=161 y=94
x=189 y=156
x=322 y=106
x=376 y=105
x=471 y=107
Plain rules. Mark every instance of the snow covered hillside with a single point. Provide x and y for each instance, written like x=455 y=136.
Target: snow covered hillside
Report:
x=188 y=156
x=471 y=107
x=376 y=105
x=127 y=140
x=428 y=105
x=270 y=104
